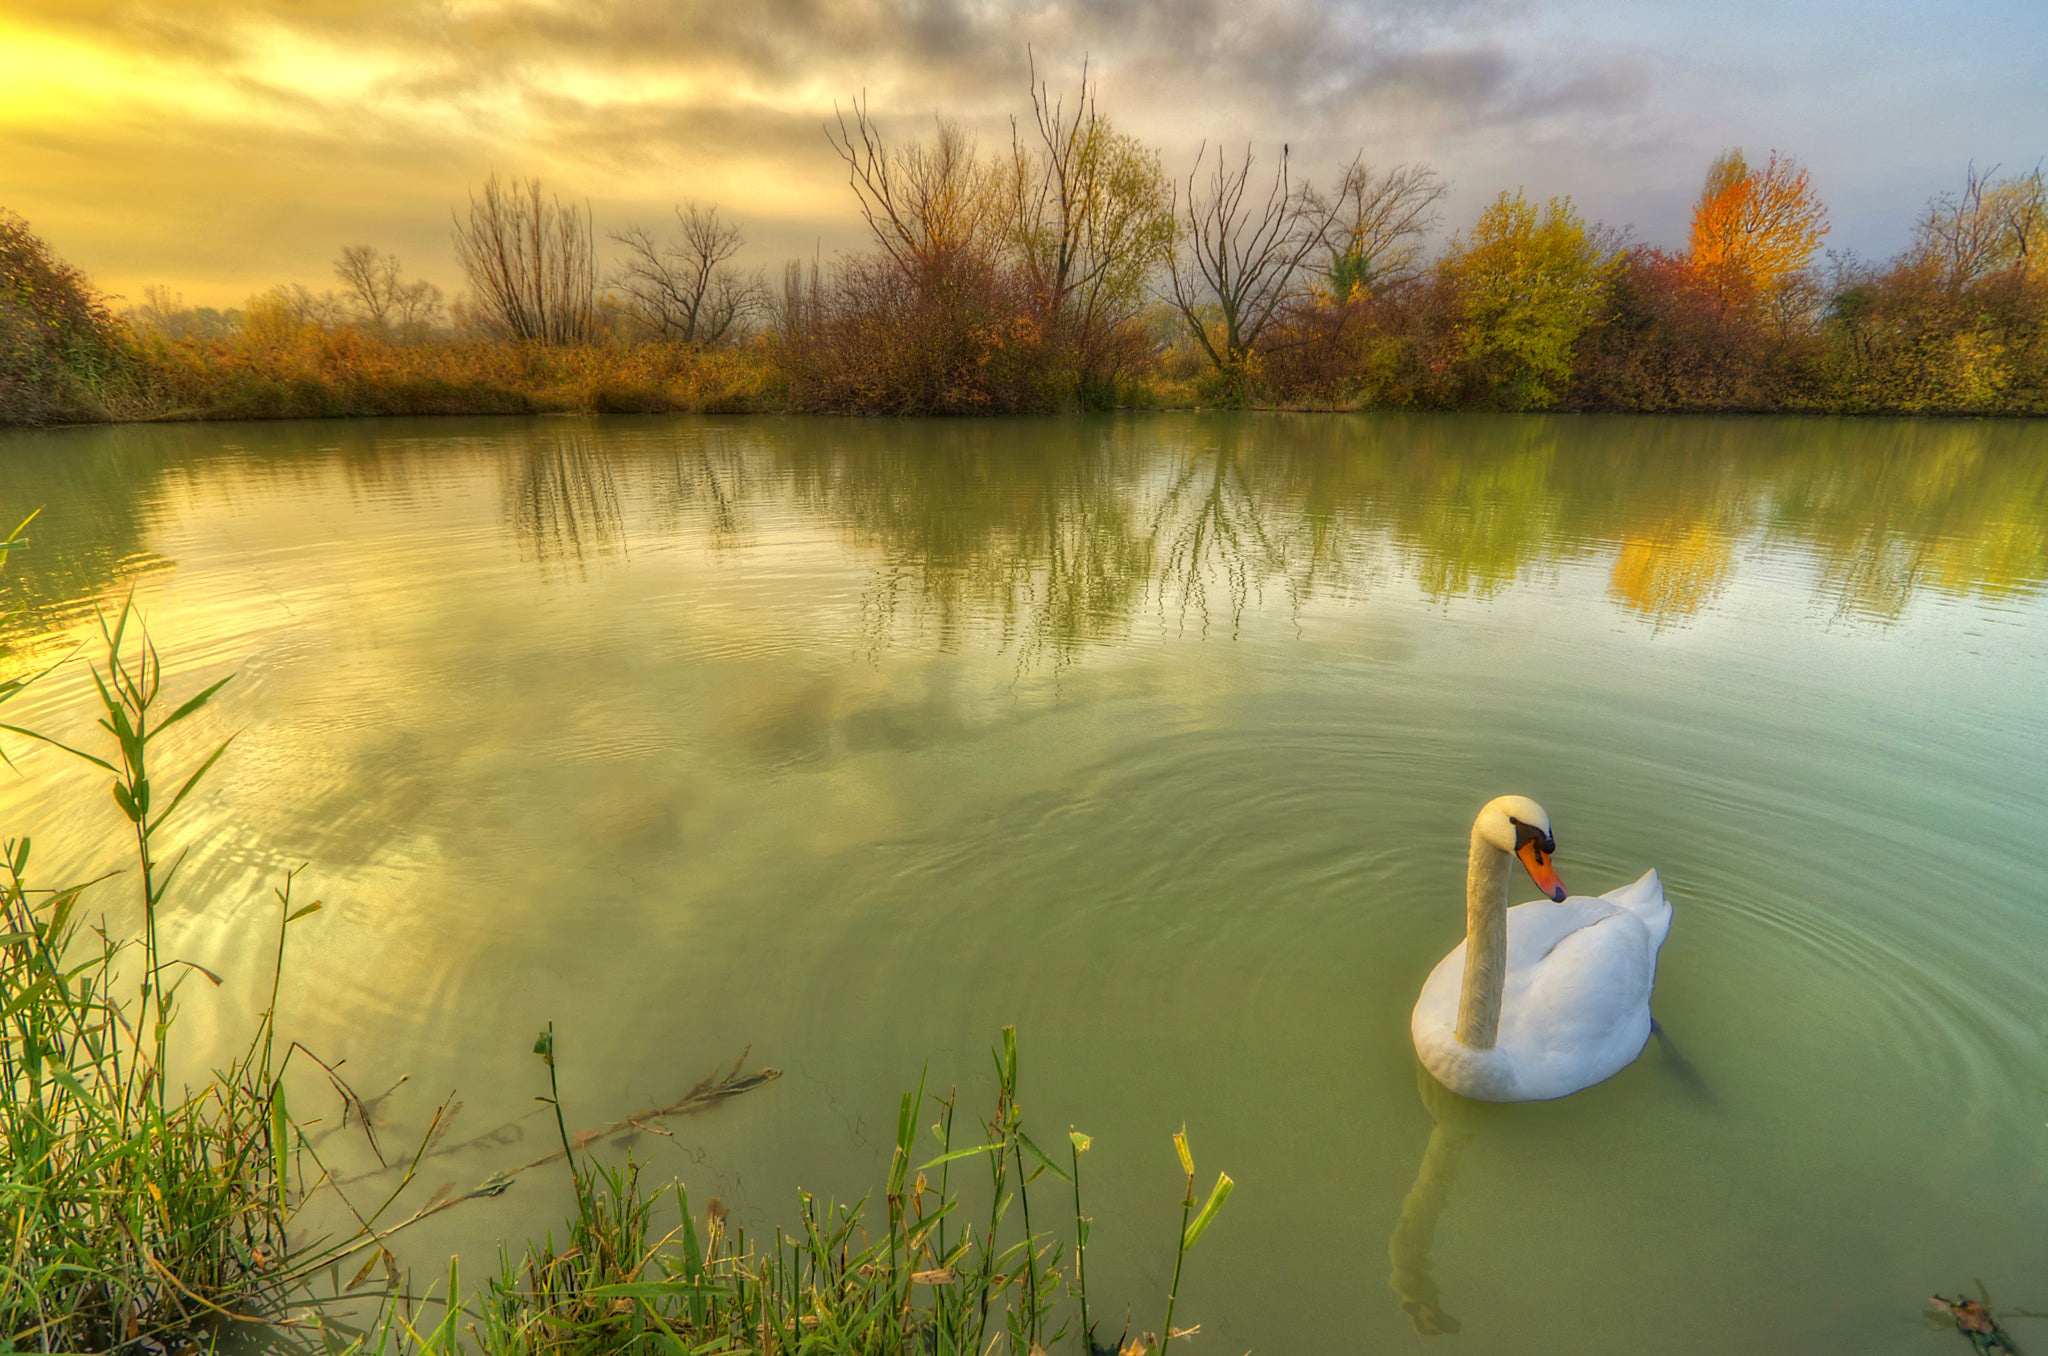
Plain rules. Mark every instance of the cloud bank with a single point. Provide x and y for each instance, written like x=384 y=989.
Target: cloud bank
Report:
x=221 y=145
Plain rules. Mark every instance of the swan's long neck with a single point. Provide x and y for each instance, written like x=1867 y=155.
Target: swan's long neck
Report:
x=1486 y=944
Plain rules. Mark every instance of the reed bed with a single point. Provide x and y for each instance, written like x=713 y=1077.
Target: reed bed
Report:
x=146 y=1215
x=134 y=1212
x=915 y=1275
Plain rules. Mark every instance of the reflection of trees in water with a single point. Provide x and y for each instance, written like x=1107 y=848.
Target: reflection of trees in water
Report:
x=1053 y=534
x=1894 y=508
x=709 y=479
x=1056 y=535
x=1324 y=505
x=1026 y=528
x=562 y=497
x=1677 y=533
x=568 y=492
x=1672 y=571
x=1471 y=519
x=1212 y=524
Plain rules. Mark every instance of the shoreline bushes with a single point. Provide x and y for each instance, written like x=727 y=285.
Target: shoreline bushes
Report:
x=63 y=354
x=1071 y=273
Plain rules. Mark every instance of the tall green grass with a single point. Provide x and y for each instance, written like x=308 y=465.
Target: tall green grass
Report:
x=140 y=1212
x=910 y=1272
x=130 y=1210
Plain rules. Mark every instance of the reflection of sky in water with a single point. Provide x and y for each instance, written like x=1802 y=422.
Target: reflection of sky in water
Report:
x=1159 y=736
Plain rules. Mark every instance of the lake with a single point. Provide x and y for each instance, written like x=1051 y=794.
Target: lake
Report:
x=1159 y=736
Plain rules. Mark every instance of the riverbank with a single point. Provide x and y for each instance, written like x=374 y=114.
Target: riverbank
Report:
x=346 y=374
x=1650 y=341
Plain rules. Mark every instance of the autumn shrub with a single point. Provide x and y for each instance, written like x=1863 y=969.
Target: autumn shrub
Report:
x=1523 y=284
x=1319 y=352
x=63 y=356
x=1909 y=340
x=1668 y=338
x=952 y=333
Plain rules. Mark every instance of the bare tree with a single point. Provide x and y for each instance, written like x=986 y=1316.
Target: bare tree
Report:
x=1959 y=233
x=1991 y=226
x=797 y=315
x=1092 y=217
x=2020 y=209
x=686 y=288
x=164 y=312
x=923 y=201
x=1377 y=224
x=531 y=264
x=1242 y=257
x=382 y=297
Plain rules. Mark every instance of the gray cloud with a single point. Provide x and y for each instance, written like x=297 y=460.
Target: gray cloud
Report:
x=637 y=103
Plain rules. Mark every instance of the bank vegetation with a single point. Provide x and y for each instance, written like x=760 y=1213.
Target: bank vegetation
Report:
x=1071 y=270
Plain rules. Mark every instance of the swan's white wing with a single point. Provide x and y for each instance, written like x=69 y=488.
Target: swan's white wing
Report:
x=1645 y=899
x=1582 y=1012
x=1535 y=929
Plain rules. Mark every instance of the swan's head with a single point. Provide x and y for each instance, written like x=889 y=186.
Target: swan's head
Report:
x=1519 y=825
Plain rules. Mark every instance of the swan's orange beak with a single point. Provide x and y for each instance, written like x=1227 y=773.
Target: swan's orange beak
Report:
x=1540 y=870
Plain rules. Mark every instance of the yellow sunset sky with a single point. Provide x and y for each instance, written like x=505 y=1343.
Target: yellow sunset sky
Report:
x=221 y=146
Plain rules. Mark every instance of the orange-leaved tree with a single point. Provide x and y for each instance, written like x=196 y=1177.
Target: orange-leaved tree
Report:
x=1752 y=228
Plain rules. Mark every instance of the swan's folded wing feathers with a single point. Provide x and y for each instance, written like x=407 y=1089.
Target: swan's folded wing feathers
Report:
x=1645 y=899
x=1535 y=929
x=1585 y=1004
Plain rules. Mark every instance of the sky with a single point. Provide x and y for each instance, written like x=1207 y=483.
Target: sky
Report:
x=218 y=147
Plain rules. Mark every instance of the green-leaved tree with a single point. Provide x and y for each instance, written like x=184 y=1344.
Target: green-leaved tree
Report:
x=1525 y=282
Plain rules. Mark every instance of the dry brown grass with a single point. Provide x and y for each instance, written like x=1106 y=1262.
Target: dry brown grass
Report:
x=308 y=372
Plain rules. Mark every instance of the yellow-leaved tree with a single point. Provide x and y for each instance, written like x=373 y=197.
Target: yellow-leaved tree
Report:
x=1527 y=284
x=1754 y=228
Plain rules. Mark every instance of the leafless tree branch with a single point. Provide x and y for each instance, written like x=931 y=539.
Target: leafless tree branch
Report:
x=531 y=264
x=1242 y=256
x=686 y=288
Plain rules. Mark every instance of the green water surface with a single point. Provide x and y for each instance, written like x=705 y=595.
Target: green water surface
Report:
x=1159 y=737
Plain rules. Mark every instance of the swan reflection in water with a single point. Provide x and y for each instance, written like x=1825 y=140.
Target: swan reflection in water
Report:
x=1411 y=1278
x=1454 y=1122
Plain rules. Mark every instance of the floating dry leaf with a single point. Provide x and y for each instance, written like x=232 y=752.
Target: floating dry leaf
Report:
x=369 y=1265
x=1969 y=1315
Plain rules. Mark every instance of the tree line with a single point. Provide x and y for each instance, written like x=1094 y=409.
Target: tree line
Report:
x=1069 y=269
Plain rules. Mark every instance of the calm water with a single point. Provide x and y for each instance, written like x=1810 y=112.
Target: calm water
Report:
x=1159 y=737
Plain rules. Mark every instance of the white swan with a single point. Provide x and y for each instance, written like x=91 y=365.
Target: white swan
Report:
x=1557 y=997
